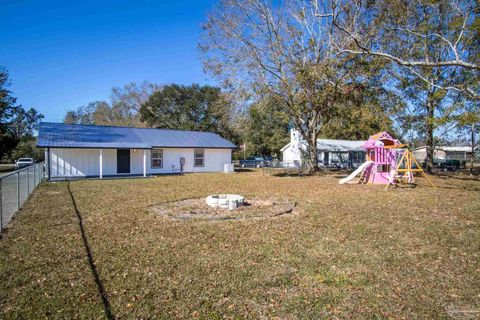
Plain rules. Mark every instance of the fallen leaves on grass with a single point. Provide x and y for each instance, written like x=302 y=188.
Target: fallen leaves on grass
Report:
x=199 y=210
x=355 y=251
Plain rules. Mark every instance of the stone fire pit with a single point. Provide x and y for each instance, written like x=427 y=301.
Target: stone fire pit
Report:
x=198 y=209
x=225 y=201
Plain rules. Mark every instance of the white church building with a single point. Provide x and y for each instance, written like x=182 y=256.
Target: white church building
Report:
x=331 y=152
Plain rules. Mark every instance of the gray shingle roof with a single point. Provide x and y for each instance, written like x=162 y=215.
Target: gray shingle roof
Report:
x=61 y=135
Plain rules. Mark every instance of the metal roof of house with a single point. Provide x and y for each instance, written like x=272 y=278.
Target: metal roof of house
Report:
x=61 y=135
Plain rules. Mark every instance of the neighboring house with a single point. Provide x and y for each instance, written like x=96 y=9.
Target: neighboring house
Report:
x=331 y=153
x=444 y=153
x=73 y=150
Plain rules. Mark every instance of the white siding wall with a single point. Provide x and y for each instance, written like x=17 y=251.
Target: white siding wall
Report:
x=81 y=162
x=136 y=161
x=421 y=154
x=291 y=154
x=85 y=162
x=214 y=160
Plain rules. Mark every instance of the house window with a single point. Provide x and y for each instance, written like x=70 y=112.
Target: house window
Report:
x=199 y=157
x=157 y=158
x=358 y=156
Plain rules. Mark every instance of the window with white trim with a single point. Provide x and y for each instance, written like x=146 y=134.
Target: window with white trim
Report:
x=157 y=158
x=199 y=157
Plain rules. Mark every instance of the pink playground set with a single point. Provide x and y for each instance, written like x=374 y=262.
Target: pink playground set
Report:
x=387 y=162
x=380 y=149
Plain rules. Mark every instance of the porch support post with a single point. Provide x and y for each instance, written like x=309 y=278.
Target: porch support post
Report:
x=48 y=164
x=144 y=163
x=101 y=163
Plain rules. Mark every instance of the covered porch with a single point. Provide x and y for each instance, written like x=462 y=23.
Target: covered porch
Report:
x=96 y=163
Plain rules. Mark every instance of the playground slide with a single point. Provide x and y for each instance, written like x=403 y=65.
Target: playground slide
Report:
x=354 y=173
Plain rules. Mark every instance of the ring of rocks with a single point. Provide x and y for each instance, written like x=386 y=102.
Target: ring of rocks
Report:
x=188 y=209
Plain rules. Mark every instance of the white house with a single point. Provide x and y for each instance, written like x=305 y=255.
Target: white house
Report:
x=444 y=153
x=331 y=152
x=73 y=150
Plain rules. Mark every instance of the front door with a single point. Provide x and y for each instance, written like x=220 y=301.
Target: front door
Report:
x=123 y=160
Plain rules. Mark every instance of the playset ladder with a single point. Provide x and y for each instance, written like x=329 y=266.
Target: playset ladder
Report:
x=363 y=176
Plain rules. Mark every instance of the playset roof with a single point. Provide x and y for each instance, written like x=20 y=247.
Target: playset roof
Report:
x=380 y=136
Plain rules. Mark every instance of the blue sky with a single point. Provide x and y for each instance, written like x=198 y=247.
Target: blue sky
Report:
x=64 y=54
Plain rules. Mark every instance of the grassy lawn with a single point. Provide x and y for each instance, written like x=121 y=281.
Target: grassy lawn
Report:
x=351 y=251
x=5 y=168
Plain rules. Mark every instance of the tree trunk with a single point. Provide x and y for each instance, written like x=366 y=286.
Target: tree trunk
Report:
x=472 y=157
x=313 y=154
x=429 y=133
x=310 y=156
x=309 y=132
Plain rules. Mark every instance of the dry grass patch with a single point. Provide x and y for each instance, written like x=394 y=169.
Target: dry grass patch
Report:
x=352 y=252
x=198 y=210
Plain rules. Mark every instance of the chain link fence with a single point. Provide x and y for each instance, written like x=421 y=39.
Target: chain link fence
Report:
x=15 y=187
x=286 y=168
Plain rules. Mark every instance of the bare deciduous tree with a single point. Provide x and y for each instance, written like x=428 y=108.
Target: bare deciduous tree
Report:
x=403 y=31
x=257 y=47
x=469 y=123
x=128 y=99
x=123 y=109
x=133 y=94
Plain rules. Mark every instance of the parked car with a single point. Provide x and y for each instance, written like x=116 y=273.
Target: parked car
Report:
x=437 y=163
x=255 y=162
x=450 y=165
x=24 y=162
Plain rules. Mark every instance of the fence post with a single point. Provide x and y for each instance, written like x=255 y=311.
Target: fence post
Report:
x=1 y=206
x=28 y=181
x=18 y=190
x=34 y=176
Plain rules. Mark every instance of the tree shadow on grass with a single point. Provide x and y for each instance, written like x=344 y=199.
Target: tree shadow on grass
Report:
x=244 y=170
x=101 y=289
x=462 y=177
x=463 y=187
